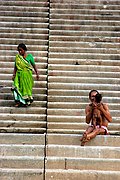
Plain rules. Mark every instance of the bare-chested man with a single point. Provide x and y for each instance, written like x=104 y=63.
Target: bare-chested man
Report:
x=91 y=131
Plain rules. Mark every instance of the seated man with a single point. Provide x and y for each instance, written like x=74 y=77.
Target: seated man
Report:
x=92 y=131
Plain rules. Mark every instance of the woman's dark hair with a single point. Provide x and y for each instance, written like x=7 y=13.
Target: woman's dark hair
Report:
x=23 y=46
x=93 y=90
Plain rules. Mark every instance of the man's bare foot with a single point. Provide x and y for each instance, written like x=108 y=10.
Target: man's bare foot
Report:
x=84 y=141
x=84 y=136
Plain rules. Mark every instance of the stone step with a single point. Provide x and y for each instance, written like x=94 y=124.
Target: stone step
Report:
x=83 y=86
x=74 y=139
x=23 y=31
x=62 y=92
x=37 y=97
x=81 y=99
x=22 y=116
x=23 y=124
x=84 y=55
x=83 y=152
x=21 y=8
x=82 y=73
x=101 y=68
x=11 y=64
x=37 y=84
x=71 y=112
x=21 y=150
x=22 y=130
x=66 y=79
x=28 y=110
x=77 y=105
x=38 y=103
x=87 y=2
x=22 y=162
x=72 y=119
x=78 y=126
x=69 y=6
x=53 y=174
x=26 y=174
x=86 y=44
x=10 y=71
x=111 y=15
x=84 y=50
x=23 y=19
x=102 y=164
x=83 y=38
x=27 y=3
x=24 y=139
x=13 y=53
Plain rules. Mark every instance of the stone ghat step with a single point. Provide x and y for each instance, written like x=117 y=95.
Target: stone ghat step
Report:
x=26 y=174
x=24 y=19
x=102 y=164
x=83 y=152
x=77 y=105
x=11 y=64
x=88 y=55
x=10 y=71
x=24 y=24
x=87 y=2
x=23 y=31
x=74 y=139
x=67 y=112
x=98 y=80
x=81 y=99
x=84 y=16
x=13 y=53
x=102 y=68
x=39 y=42
x=40 y=14
x=99 y=62
x=79 y=92
x=84 y=5
x=75 y=131
x=24 y=8
x=83 y=86
x=40 y=91
x=28 y=110
x=22 y=117
x=21 y=150
x=84 y=38
x=83 y=73
x=60 y=174
x=9 y=76
x=24 y=139
x=23 y=124
x=84 y=50
x=75 y=125
x=24 y=36
x=41 y=3
x=22 y=130
x=37 y=84
x=77 y=23
x=37 y=97
x=39 y=103
x=85 y=44
x=26 y=162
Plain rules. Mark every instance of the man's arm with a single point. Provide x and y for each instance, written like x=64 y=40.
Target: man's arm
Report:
x=88 y=112
x=105 y=111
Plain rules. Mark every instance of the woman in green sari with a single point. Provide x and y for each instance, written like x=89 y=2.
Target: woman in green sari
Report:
x=22 y=77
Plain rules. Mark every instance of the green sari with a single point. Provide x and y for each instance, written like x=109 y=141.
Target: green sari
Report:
x=23 y=81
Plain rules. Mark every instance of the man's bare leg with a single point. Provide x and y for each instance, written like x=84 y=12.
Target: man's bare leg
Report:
x=88 y=130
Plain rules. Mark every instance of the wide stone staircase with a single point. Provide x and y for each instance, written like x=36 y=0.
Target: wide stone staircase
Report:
x=76 y=49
